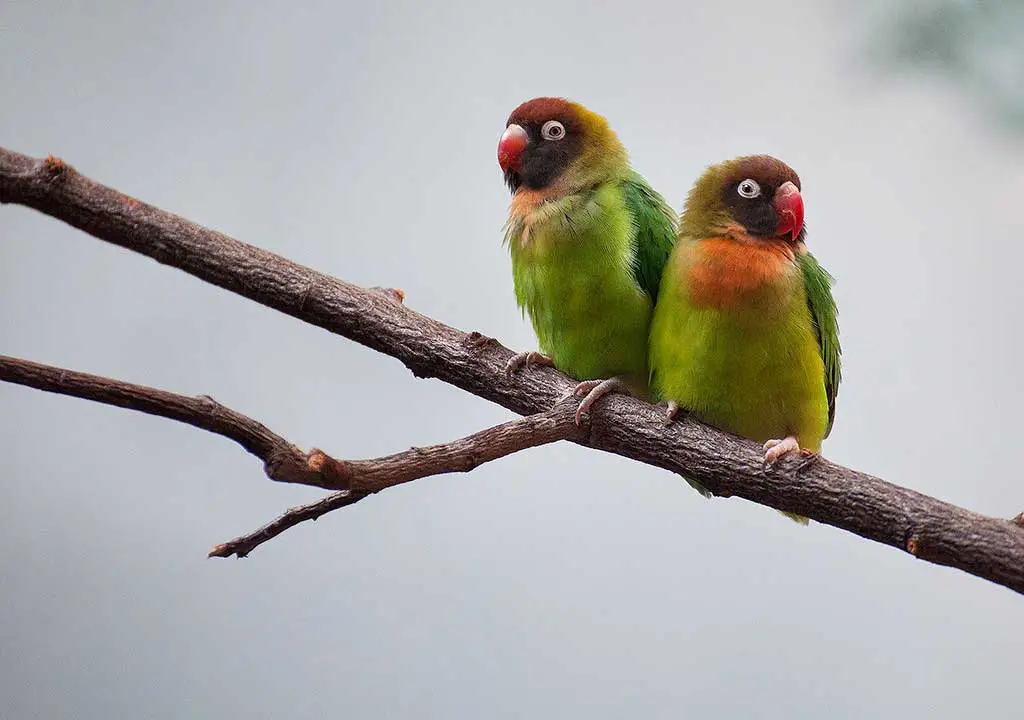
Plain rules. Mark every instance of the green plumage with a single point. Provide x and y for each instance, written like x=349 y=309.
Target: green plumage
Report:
x=764 y=368
x=745 y=334
x=655 y=232
x=586 y=268
x=818 y=286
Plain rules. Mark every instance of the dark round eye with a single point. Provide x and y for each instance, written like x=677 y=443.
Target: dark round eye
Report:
x=748 y=189
x=552 y=130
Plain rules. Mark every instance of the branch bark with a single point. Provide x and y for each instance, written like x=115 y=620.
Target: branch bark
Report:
x=992 y=548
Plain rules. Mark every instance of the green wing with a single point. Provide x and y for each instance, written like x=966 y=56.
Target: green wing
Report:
x=818 y=284
x=655 y=224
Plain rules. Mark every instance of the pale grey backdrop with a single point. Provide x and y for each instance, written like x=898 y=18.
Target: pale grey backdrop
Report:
x=360 y=139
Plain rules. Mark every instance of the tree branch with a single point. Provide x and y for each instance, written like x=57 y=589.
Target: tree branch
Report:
x=242 y=545
x=282 y=461
x=992 y=548
x=461 y=455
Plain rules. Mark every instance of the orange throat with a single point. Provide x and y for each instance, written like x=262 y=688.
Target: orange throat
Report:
x=722 y=272
x=525 y=201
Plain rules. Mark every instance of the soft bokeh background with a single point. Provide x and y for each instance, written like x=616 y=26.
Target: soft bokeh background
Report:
x=359 y=139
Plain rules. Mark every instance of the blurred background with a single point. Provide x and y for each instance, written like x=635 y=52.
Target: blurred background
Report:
x=360 y=139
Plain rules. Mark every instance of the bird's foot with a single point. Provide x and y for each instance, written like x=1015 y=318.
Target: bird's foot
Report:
x=671 y=412
x=594 y=390
x=776 y=449
x=527 y=359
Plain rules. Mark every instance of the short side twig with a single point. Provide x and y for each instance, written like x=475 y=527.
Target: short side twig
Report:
x=461 y=455
x=242 y=545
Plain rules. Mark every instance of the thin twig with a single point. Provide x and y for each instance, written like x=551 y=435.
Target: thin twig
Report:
x=242 y=545
x=928 y=528
x=282 y=461
x=462 y=455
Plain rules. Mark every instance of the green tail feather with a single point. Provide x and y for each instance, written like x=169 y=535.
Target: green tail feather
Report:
x=699 y=488
x=794 y=517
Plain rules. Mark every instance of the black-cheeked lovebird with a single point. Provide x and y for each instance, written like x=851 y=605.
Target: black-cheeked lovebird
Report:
x=589 y=239
x=745 y=335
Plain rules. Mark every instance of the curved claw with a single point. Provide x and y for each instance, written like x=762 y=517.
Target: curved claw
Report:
x=582 y=388
x=671 y=412
x=594 y=391
x=528 y=359
x=776 y=449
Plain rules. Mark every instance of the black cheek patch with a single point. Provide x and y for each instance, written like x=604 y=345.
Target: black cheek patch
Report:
x=544 y=160
x=755 y=214
x=512 y=180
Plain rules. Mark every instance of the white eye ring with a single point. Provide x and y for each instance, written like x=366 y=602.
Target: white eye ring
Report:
x=749 y=189
x=552 y=130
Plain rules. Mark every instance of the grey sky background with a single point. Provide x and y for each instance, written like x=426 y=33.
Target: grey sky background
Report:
x=556 y=583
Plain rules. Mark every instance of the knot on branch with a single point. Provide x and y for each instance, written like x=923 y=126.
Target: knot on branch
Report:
x=396 y=294
x=317 y=468
x=212 y=406
x=479 y=341
x=932 y=550
x=55 y=169
x=336 y=474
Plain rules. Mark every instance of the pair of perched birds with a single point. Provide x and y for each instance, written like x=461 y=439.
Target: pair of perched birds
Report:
x=724 y=313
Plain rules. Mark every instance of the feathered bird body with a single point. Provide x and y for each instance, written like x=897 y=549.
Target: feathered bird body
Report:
x=573 y=269
x=588 y=238
x=745 y=334
x=746 y=356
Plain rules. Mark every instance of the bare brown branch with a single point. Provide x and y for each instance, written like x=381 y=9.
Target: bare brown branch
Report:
x=283 y=462
x=992 y=548
x=462 y=455
x=242 y=545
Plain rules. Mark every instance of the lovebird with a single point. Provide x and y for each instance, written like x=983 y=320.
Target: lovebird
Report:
x=589 y=239
x=745 y=334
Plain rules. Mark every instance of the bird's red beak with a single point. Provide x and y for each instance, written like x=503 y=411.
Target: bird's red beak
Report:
x=511 y=146
x=789 y=206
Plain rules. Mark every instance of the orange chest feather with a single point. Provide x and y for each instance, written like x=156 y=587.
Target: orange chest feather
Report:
x=525 y=202
x=722 y=273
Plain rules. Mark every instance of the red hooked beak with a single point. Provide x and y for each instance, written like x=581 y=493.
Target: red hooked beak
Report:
x=511 y=146
x=789 y=206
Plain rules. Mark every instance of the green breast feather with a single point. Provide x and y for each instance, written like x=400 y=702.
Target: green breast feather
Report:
x=766 y=368
x=587 y=272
